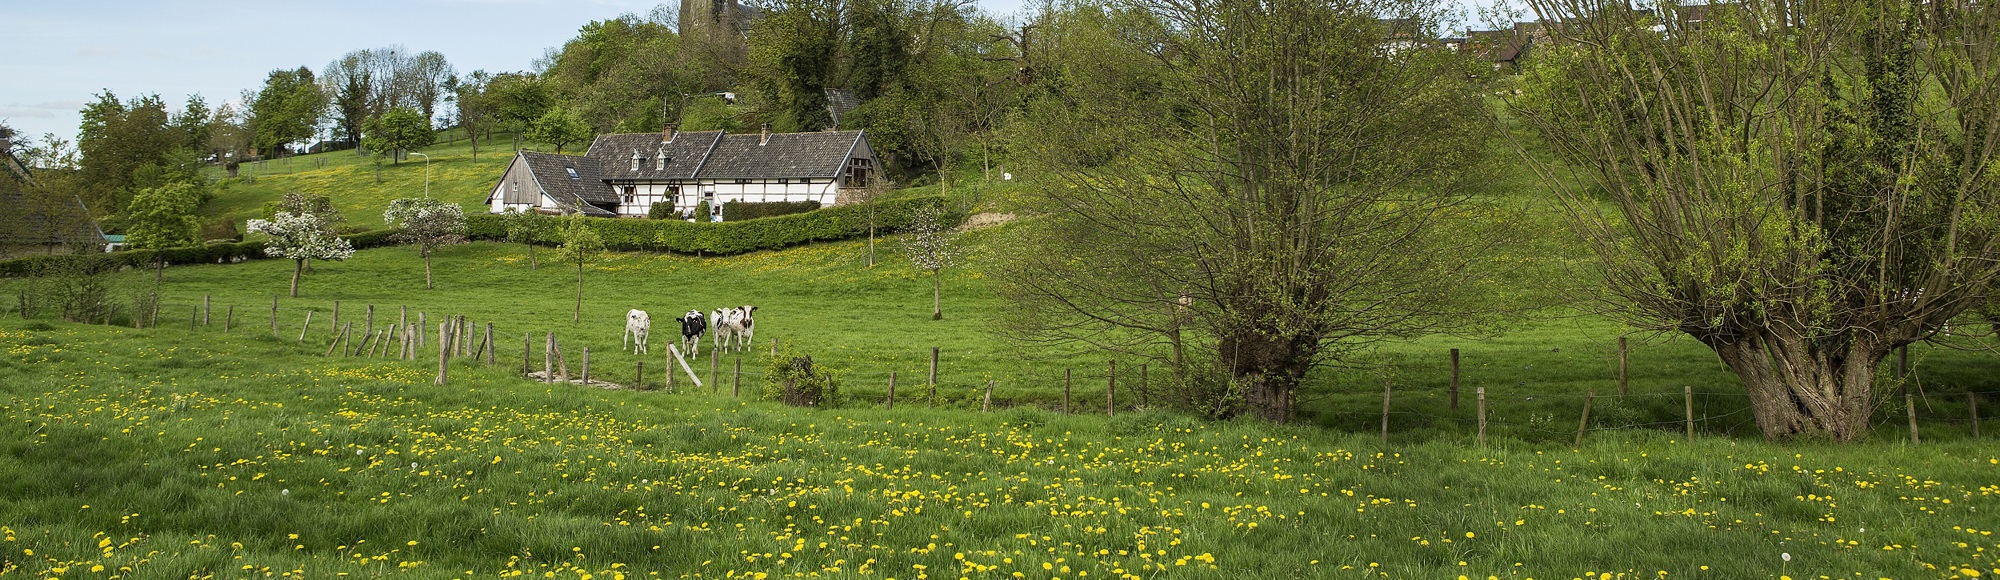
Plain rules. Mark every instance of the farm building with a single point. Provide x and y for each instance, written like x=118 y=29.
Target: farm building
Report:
x=626 y=174
x=40 y=220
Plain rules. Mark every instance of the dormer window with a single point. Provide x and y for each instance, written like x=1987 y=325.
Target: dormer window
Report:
x=663 y=161
x=636 y=160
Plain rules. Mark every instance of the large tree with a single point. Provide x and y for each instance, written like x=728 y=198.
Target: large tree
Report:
x=398 y=130
x=164 y=217
x=1246 y=190
x=561 y=127
x=794 y=55
x=119 y=141
x=517 y=100
x=287 y=109
x=1803 y=186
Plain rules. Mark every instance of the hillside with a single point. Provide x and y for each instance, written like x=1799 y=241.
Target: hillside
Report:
x=350 y=180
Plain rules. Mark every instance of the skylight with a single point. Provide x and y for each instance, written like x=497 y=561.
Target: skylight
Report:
x=572 y=172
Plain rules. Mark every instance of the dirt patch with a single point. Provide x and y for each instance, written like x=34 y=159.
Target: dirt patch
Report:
x=985 y=220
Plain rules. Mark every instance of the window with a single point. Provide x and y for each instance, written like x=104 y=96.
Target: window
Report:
x=857 y=172
x=629 y=190
x=572 y=172
x=663 y=162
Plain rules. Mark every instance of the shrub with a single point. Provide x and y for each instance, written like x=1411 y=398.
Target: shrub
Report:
x=215 y=253
x=737 y=211
x=662 y=211
x=797 y=382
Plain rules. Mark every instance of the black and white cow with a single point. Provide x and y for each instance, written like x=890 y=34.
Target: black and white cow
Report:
x=734 y=324
x=692 y=327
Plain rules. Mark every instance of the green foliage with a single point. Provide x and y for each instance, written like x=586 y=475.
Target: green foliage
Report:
x=216 y=253
x=662 y=211
x=128 y=146
x=750 y=210
x=581 y=243
x=729 y=238
x=287 y=109
x=560 y=127
x=710 y=114
x=616 y=73
x=794 y=52
x=399 y=129
x=164 y=217
x=795 y=380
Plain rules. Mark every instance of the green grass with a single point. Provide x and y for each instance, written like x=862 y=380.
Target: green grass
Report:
x=173 y=453
x=349 y=180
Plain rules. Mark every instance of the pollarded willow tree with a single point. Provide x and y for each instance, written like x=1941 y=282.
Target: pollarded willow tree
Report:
x=1252 y=188
x=429 y=223
x=1801 y=185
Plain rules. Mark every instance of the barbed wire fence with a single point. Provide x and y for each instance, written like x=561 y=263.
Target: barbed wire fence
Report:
x=425 y=338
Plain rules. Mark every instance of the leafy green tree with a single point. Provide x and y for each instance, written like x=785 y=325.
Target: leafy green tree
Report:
x=351 y=86
x=1801 y=186
x=560 y=127
x=401 y=129
x=878 y=47
x=118 y=141
x=474 y=107
x=626 y=74
x=287 y=109
x=793 y=54
x=164 y=217
x=523 y=227
x=582 y=246
x=518 y=100
x=1232 y=193
x=428 y=223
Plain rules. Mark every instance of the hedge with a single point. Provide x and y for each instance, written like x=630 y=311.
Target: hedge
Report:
x=221 y=253
x=729 y=238
x=737 y=211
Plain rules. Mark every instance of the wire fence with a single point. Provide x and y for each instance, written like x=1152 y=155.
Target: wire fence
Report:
x=744 y=371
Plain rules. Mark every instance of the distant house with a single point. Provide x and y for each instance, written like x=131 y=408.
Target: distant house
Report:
x=625 y=175
x=839 y=102
x=1506 y=47
x=37 y=221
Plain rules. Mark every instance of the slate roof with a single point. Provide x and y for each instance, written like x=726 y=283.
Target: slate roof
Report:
x=684 y=155
x=34 y=219
x=553 y=172
x=839 y=102
x=820 y=154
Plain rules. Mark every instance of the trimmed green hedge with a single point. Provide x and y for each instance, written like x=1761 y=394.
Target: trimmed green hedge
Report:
x=222 y=253
x=737 y=211
x=729 y=238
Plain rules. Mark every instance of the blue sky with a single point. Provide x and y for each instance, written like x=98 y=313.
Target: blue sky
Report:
x=61 y=53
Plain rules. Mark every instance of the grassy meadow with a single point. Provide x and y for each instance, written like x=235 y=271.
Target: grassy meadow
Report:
x=225 y=450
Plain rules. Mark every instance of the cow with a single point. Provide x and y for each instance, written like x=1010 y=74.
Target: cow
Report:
x=692 y=326
x=638 y=324
x=734 y=324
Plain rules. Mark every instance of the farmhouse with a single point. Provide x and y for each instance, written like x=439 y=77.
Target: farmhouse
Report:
x=627 y=174
x=40 y=220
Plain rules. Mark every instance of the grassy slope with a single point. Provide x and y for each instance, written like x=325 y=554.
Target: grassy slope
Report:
x=349 y=180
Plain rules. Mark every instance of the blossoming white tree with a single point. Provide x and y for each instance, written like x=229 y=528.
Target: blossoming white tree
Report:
x=300 y=237
x=931 y=245
x=428 y=223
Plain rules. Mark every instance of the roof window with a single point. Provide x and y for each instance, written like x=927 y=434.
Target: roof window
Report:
x=572 y=172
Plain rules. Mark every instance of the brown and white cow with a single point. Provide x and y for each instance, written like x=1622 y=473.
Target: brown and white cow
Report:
x=734 y=325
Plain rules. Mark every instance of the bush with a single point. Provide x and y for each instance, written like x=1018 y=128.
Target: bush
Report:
x=216 y=253
x=797 y=382
x=662 y=211
x=730 y=238
x=737 y=211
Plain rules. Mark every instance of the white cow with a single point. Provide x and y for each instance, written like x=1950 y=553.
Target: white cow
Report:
x=733 y=324
x=638 y=325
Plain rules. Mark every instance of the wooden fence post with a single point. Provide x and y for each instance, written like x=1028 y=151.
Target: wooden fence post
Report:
x=1972 y=406
x=562 y=364
x=890 y=402
x=714 y=362
x=330 y=345
x=527 y=353
x=548 y=358
x=1454 y=383
x=205 y=309
x=1910 y=409
x=423 y=326
x=1066 y=384
x=488 y=343
x=444 y=354
x=1110 y=388
x=229 y=319
x=1142 y=384
x=1584 y=423
x=336 y=313
x=274 y=317
x=987 y=403
x=1480 y=393
x=1385 y=411
x=305 y=327
x=368 y=323
x=931 y=400
x=402 y=316
x=586 y=366
x=1622 y=366
x=736 y=380
x=1687 y=397
x=194 y=318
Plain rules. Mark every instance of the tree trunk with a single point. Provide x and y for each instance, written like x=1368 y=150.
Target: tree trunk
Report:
x=531 y=253
x=578 y=316
x=159 y=267
x=937 y=293
x=298 y=267
x=427 y=271
x=1797 y=387
x=1268 y=367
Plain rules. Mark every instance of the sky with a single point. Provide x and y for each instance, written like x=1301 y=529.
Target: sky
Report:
x=62 y=53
